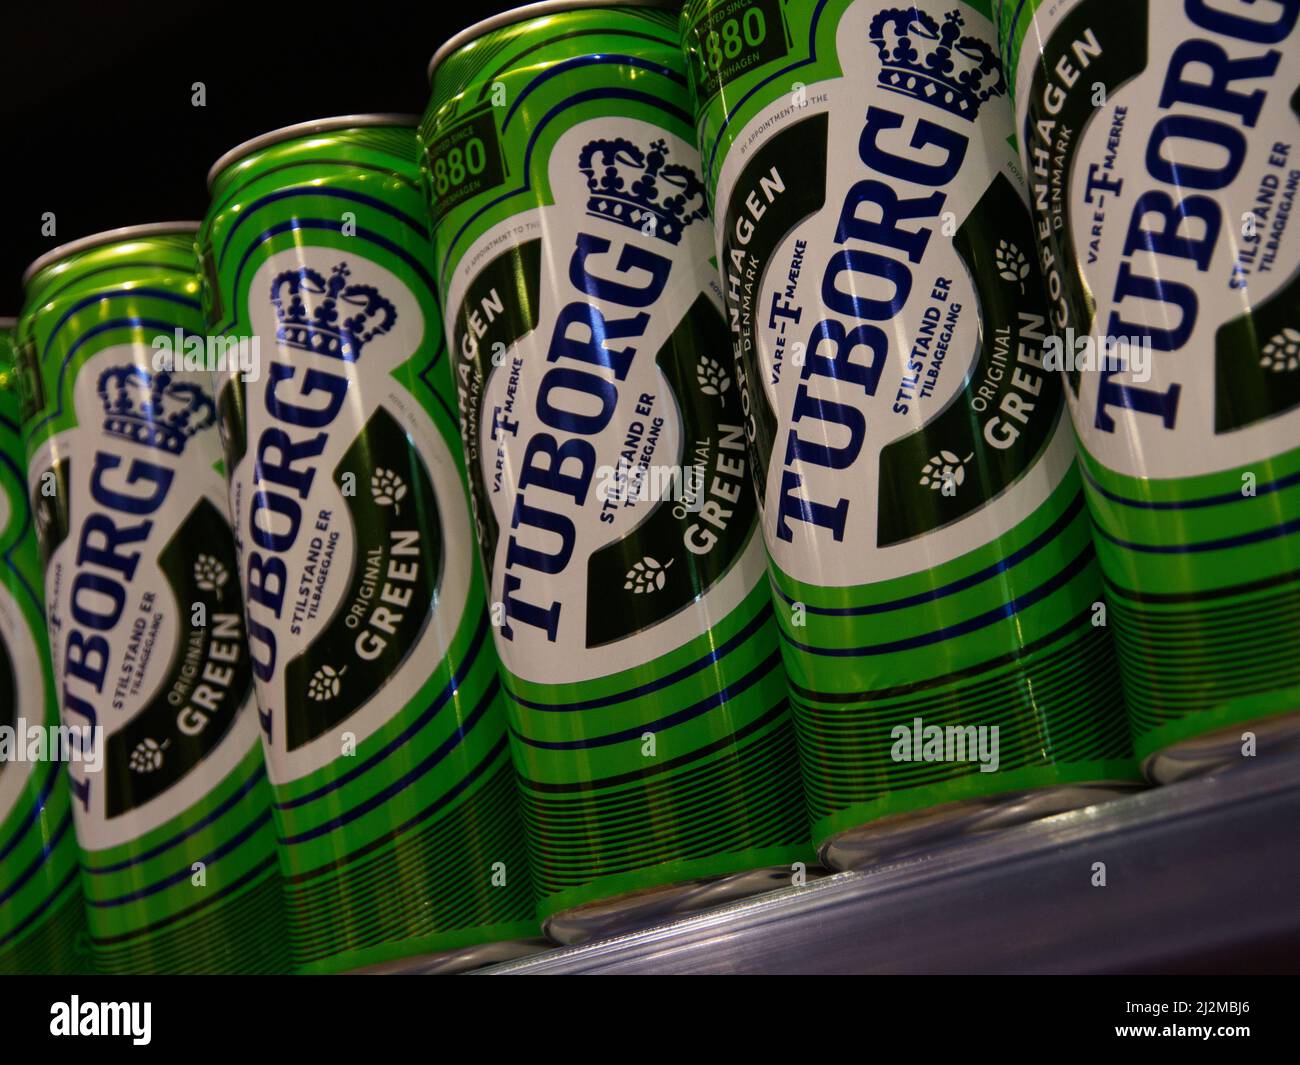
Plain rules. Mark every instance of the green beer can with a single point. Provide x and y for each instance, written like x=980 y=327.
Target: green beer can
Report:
x=146 y=626
x=42 y=922
x=936 y=583
x=604 y=438
x=1162 y=148
x=395 y=799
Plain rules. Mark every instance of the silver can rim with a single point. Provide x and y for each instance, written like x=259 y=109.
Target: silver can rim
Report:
x=108 y=236
x=541 y=9
x=305 y=129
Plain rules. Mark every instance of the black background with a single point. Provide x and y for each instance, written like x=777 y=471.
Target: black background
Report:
x=98 y=125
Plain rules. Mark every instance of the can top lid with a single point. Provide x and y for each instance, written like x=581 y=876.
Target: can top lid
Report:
x=108 y=236
x=305 y=129
x=523 y=14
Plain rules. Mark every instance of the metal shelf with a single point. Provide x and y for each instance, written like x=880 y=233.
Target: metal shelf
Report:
x=1200 y=876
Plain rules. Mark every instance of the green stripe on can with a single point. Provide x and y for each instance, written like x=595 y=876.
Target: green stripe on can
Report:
x=146 y=623
x=1192 y=467
x=930 y=550
x=42 y=923
x=649 y=710
x=395 y=802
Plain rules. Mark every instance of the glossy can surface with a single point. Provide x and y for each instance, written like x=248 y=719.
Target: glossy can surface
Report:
x=936 y=582
x=650 y=720
x=145 y=619
x=1160 y=140
x=42 y=922
x=395 y=799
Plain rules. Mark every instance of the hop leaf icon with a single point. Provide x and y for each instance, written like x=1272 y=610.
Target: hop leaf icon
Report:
x=712 y=377
x=387 y=488
x=147 y=755
x=1282 y=352
x=1012 y=265
x=944 y=468
x=210 y=574
x=324 y=684
x=646 y=576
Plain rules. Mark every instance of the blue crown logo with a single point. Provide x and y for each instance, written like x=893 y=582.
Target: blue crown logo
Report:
x=935 y=64
x=640 y=189
x=331 y=317
x=153 y=410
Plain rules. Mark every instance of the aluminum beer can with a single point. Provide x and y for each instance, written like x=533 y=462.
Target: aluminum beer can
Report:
x=146 y=626
x=1162 y=149
x=42 y=922
x=376 y=678
x=605 y=444
x=937 y=588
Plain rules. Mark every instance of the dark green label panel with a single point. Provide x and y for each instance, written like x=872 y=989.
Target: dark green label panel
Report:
x=464 y=161
x=732 y=39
